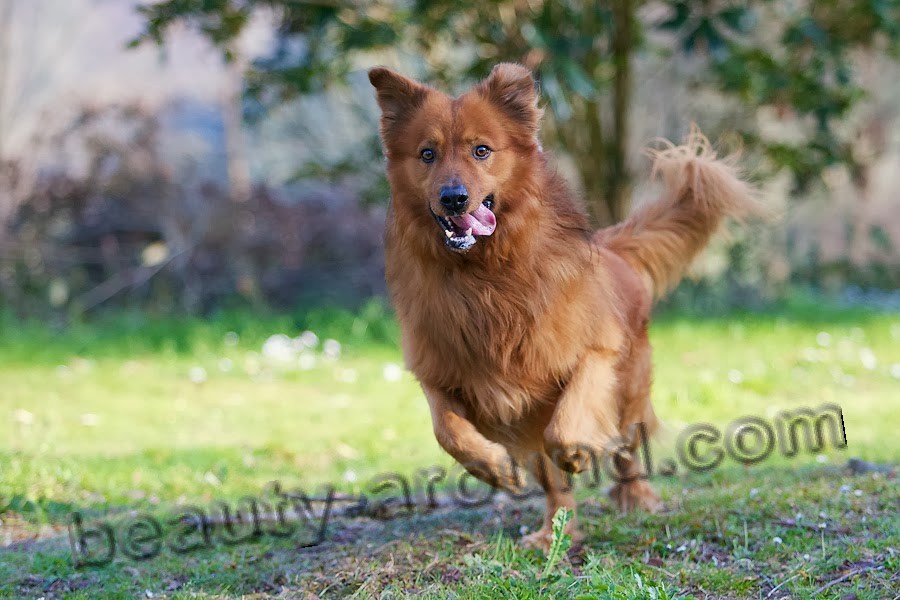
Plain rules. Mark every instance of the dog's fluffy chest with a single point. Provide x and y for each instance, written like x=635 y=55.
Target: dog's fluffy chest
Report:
x=492 y=342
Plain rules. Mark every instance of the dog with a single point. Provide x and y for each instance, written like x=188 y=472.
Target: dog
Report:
x=526 y=329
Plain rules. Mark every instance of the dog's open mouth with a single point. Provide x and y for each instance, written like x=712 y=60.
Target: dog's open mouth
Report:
x=460 y=231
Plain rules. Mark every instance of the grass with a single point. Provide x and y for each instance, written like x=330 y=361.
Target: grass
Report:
x=134 y=413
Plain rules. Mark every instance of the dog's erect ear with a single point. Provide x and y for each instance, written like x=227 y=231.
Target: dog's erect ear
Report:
x=513 y=89
x=397 y=95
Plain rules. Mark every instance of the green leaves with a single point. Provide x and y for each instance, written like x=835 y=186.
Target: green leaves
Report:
x=561 y=540
x=799 y=61
x=219 y=20
x=706 y=27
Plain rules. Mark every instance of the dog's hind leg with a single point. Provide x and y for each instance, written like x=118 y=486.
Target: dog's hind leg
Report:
x=632 y=491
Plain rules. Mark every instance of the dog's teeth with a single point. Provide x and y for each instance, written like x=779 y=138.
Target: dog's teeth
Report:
x=469 y=231
x=449 y=233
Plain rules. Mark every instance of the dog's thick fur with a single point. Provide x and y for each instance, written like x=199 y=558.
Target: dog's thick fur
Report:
x=532 y=346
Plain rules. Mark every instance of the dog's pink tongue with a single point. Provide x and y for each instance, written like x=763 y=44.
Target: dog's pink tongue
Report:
x=482 y=221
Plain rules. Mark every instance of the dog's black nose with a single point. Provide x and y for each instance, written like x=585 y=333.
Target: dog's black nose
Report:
x=454 y=197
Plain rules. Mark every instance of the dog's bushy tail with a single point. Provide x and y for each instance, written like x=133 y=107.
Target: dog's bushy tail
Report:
x=660 y=239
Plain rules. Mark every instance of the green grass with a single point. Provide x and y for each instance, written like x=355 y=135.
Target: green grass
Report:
x=146 y=414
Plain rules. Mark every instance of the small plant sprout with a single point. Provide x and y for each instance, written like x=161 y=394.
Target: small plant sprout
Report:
x=560 y=542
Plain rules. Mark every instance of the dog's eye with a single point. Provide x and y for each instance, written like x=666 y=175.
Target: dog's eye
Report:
x=481 y=152
x=427 y=155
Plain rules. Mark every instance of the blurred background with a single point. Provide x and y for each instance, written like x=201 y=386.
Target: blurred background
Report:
x=188 y=156
x=192 y=297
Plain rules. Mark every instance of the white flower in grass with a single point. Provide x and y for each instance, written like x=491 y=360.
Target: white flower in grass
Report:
x=278 y=347
x=754 y=492
x=867 y=358
x=350 y=476
x=735 y=376
x=197 y=375
x=231 y=339
x=823 y=338
x=309 y=339
x=331 y=349
x=90 y=420
x=857 y=492
x=23 y=416
x=392 y=372
x=777 y=540
x=821 y=459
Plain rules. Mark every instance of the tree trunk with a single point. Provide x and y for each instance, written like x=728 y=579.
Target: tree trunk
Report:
x=601 y=155
x=593 y=164
x=618 y=180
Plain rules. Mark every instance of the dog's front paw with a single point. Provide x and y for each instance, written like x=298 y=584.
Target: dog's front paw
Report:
x=572 y=458
x=509 y=477
x=502 y=472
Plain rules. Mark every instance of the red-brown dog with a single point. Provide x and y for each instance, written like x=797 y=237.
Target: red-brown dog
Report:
x=528 y=331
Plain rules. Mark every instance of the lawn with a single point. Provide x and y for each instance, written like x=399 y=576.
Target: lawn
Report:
x=132 y=414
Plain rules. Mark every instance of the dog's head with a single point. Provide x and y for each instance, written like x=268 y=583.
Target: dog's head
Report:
x=454 y=158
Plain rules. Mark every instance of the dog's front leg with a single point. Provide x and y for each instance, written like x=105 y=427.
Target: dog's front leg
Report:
x=585 y=419
x=488 y=461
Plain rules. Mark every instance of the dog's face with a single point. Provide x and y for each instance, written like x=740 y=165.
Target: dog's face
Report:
x=453 y=158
